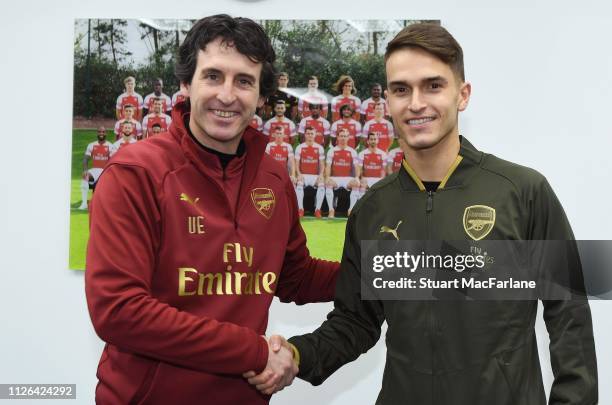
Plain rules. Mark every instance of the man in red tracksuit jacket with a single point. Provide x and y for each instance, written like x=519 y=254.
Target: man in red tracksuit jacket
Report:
x=193 y=233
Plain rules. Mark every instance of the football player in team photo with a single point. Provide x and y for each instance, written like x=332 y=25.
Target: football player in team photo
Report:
x=293 y=107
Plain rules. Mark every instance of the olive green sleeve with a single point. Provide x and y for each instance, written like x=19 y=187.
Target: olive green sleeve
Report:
x=351 y=329
x=569 y=324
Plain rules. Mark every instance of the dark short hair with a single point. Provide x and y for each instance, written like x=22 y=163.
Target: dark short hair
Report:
x=156 y=125
x=245 y=34
x=308 y=128
x=314 y=105
x=346 y=106
x=433 y=39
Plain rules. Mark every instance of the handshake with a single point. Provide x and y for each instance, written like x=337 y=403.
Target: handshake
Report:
x=282 y=367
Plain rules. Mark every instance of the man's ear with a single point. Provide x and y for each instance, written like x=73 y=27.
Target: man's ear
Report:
x=185 y=88
x=260 y=101
x=386 y=94
x=465 y=91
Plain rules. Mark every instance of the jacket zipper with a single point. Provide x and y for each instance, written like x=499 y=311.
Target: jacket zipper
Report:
x=428 y=210
x=234 y=214
x=432 y=322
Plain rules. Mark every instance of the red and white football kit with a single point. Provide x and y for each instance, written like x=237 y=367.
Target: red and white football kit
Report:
x=310 y=159
x=367 y=108
x=320 y=125
x=384 y=130
x=122 y=143
x=100 y=154
x=137 y=128
x=166 y=102
x=354 y=129
x=286 y=123
x=256 y=123
x=373 y=165
x=342 y=163
x=163 y=120
x=394 y=158
x=134 y=100
x=312 y=98
x=178 y=97
x=341 y=100
x=282 y=153
x=183 y=262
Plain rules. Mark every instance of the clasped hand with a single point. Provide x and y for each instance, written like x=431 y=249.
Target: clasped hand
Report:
x=280 y=370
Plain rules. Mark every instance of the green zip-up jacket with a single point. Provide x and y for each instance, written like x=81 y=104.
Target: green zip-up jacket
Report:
x=457 y=352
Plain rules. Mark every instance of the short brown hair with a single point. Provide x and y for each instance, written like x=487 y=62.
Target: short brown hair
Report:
x=433 y=39
x=341 y=81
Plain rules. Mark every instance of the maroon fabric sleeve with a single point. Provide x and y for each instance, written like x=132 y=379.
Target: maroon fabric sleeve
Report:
x=121 y=255
x=303 y=278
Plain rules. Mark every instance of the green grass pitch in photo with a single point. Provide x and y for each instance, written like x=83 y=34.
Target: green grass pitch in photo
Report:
x=325 y=237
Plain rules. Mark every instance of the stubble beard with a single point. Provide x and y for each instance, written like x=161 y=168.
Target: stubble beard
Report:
x=429 y=144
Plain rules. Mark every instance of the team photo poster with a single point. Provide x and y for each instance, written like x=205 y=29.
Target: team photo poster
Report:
x=125 y=88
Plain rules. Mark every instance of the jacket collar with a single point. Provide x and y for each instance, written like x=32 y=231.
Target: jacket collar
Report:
x=208 y=163
x=468 y=159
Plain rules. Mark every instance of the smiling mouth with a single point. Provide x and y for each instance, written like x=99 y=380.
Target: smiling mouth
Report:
x=420 y=121
x=224 y=114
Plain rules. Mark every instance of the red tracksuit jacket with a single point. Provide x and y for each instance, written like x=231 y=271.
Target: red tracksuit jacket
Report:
x=183 y=261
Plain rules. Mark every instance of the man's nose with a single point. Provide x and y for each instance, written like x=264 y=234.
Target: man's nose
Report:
x=226 y=93
x=417 y=101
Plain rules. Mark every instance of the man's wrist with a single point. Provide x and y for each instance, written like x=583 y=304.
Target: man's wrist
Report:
x=296 y=354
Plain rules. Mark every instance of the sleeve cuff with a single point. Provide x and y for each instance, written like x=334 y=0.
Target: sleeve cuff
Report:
x=303 y=350
x=262 y=355
x=296 y=354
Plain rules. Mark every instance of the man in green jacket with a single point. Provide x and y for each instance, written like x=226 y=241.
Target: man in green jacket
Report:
x=450 y=352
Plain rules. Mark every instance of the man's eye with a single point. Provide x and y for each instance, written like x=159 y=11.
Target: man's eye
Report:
x=212 y=76
x=245 y=82
x=399 y=90
x=435 y=86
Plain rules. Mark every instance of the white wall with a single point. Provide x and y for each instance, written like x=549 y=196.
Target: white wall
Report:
x=541 y=79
